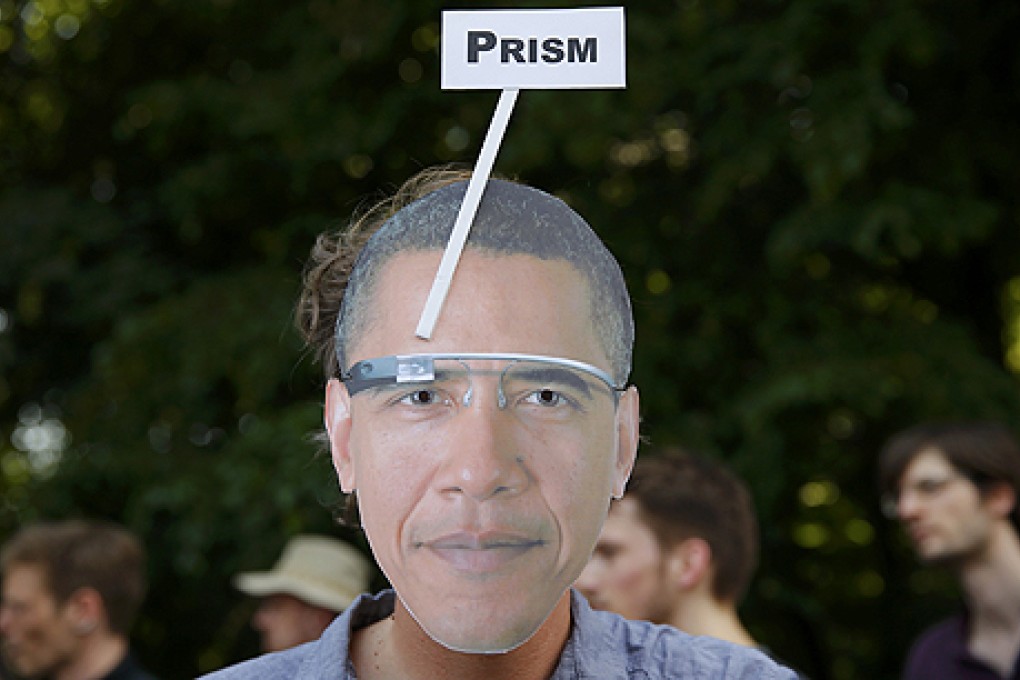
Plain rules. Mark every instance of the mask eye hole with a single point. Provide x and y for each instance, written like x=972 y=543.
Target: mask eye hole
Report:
x=422 y=397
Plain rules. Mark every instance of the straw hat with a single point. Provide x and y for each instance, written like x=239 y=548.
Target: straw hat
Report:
x=319 y=570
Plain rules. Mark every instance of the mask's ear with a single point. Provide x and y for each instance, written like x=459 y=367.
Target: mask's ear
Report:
x=337 y=417
x=628 y=420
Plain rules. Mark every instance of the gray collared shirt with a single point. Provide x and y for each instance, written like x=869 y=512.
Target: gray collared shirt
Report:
x=601 y=646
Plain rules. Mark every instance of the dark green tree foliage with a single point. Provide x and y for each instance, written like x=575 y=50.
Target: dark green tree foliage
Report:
x=814 y=202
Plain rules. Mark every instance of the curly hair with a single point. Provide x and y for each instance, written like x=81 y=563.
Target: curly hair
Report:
x=331 y=262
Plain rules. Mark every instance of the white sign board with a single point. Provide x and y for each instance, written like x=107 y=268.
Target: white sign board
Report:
x=533 y=49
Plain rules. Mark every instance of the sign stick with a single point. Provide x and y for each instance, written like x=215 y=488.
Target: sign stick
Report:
x=466 y=215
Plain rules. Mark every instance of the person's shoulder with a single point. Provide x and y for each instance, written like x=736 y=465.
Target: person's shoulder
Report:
x=129 y=669
x=283 y=665
x=945 y=632
x=706 y=657
x=657 y=651
x=935 y=648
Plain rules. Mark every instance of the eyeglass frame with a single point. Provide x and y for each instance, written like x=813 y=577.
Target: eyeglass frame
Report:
x=412 y=369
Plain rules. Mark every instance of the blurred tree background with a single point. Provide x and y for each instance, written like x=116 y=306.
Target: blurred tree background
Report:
x=815 y=203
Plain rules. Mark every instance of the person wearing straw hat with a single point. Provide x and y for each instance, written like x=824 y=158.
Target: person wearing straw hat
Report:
x=315 y=578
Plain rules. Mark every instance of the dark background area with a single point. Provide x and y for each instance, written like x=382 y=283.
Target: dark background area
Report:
x=814 y=201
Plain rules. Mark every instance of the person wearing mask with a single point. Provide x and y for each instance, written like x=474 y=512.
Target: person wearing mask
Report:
x=482 y=459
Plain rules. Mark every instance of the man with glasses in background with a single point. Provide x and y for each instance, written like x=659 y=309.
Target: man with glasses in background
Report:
x=481 y=461
x=955 y=487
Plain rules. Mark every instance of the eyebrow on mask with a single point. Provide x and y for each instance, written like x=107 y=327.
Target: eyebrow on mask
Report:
x=544 y=375
x=555 y=377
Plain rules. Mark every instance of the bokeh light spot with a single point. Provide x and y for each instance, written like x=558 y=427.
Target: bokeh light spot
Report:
x=859 y=531
x=67 y=26
x=658 y=282
x=358 y=165
x=457 y=138
x=410 y=70
x=810 y=535
x=817 y=493
x=425 y=38
x=870 y=584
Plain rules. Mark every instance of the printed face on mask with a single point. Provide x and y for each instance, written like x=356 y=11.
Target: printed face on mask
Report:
x=484 y=473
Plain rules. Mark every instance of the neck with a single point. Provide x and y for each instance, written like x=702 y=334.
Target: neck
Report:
x=98 y=654
x=701 y=614
x=991 y=580
x=398 y=647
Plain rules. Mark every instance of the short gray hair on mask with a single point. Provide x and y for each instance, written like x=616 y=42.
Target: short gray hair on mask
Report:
x=512 y=219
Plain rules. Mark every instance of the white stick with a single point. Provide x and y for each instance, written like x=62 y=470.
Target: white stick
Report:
x=466 y=215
